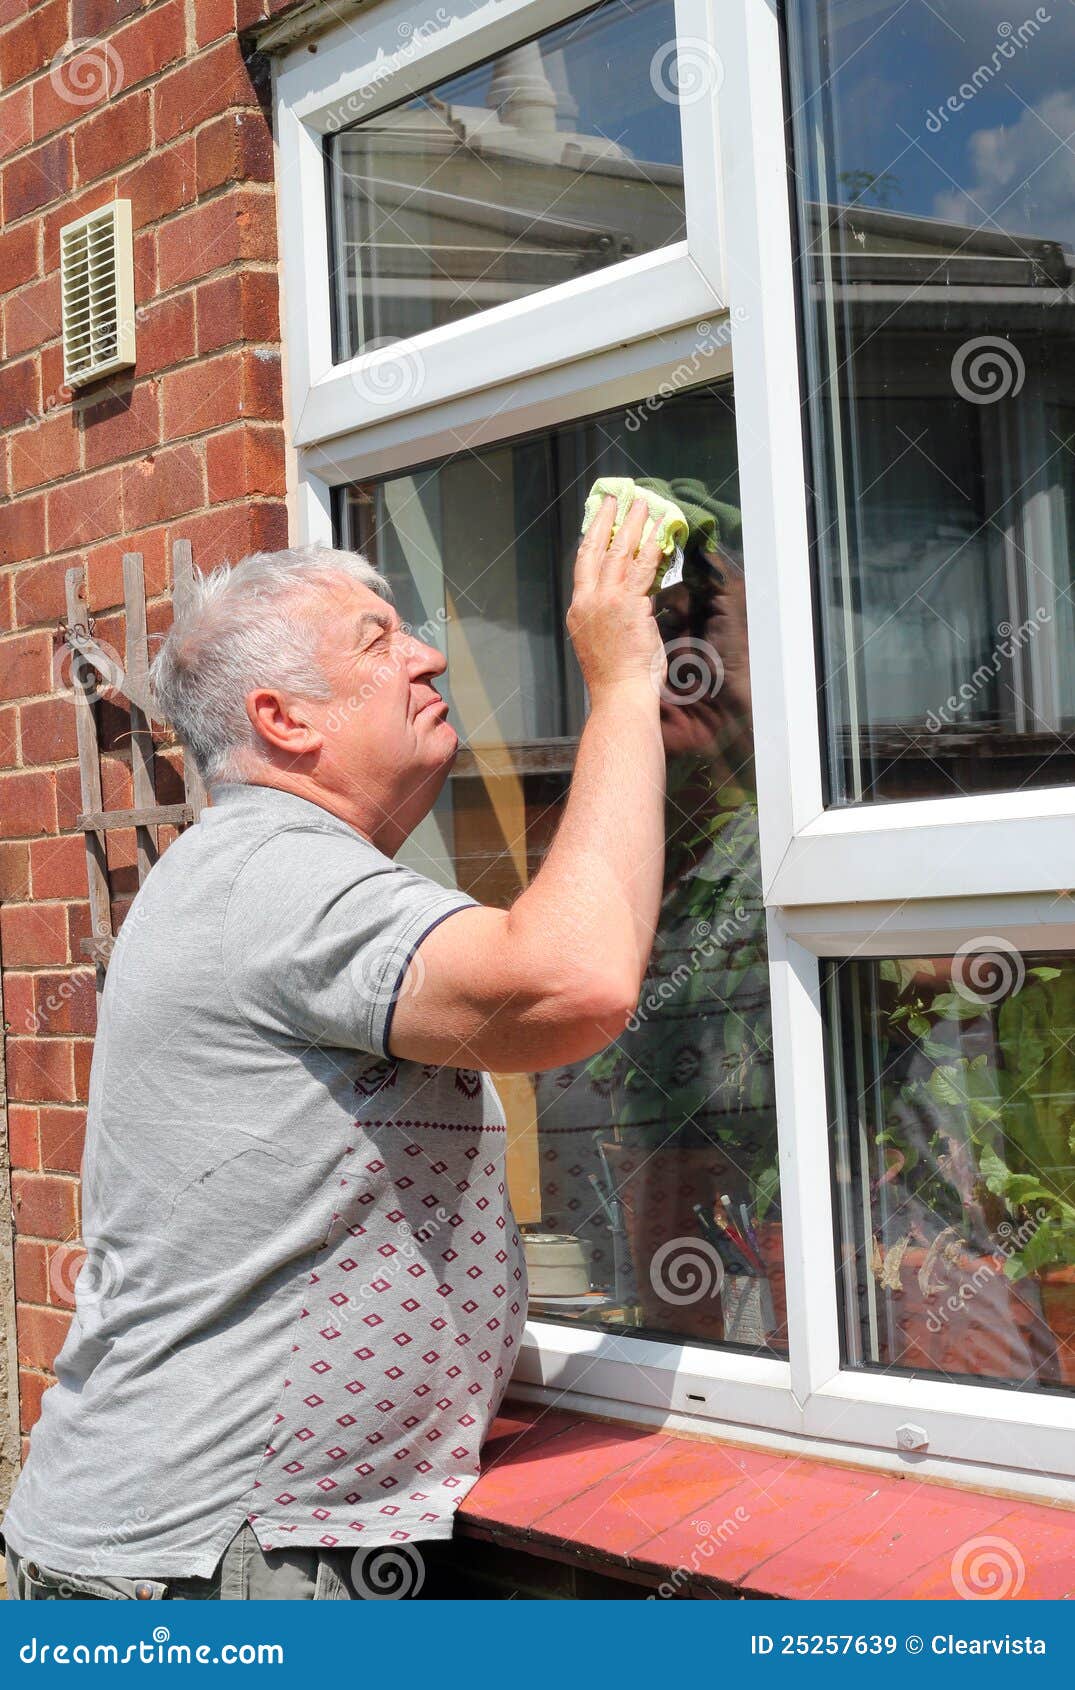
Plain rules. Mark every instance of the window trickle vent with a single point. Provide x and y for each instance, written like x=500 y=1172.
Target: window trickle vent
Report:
x=97 y=279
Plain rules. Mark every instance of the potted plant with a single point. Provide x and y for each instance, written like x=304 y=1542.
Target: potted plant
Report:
x=944 y=1258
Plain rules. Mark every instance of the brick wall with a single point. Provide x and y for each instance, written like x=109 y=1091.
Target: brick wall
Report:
x=158 y=103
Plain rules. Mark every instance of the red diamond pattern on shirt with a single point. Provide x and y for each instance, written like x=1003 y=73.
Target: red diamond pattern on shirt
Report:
x=420 y=1182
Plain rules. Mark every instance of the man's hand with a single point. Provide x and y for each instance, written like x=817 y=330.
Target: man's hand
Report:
x=611 y=621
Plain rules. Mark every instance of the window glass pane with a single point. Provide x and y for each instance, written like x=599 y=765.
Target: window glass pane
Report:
x=558 y=158
x=936 y=201
x=954 y=1083
x=631 y=1172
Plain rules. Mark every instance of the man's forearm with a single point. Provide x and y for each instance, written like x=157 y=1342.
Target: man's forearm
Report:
x=595 y=901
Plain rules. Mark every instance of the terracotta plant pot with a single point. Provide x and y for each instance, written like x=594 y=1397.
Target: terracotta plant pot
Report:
x=972 y=1320
x=1057 y=1287
x=657 y=1191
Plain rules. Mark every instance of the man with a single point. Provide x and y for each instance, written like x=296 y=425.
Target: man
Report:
x=304 y=1288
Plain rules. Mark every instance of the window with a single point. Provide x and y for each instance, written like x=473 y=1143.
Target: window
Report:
x=619 y=1164
x=509 y=178
x=937 y=223
x=851 y=1052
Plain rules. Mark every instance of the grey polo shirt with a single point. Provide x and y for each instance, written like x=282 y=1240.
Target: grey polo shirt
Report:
x=305 y=1287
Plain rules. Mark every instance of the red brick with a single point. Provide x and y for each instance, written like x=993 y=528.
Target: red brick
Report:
x=109 y=140
x=155 y=40
x=19 y=257
x=62 y=1134
x=207 y=84
x=81 y=927
x=47 y=730
x=78 y=84
x=39 y=593
x=41 y=1071
x=121 y=423
x=207 y=395
x=20 y=393
x=19 y=1002
x=116 y=782
x=31 y=1271
x=91 y=18
x=233 y=228
x=212 y=19
x=220 y=391
x=166 y=333
x=145 y=264
x=66 y=1003
x=45 y=1205
x=32 y=43
x=9 y=737
x=33 y=934
x=14 y=872
x=65 y=1265
x=242 y=306
x=104 y=565
x=245 y=460
x=25 y=671
x=162 y=184
x=51 y=360
x=41 y=1333
x=233 y=532
x=84 y=510
x=57 y=867
x=36 y=178
x=32 y=1387
x=23 y=1141
x=162 y=486
x=46 y=452
x=16 y=123
x=32 y=316
x=68 y=800
x=236 y=147
x=83 y=1057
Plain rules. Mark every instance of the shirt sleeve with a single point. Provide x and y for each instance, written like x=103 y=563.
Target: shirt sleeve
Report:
x=317 y=935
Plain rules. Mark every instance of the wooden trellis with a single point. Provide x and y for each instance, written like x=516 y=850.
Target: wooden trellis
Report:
x=94 y=669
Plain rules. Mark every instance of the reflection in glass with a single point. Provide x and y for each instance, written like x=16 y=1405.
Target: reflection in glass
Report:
x=647 y=1177
x=936 y=230
x=954 y=1084
x=557 y=159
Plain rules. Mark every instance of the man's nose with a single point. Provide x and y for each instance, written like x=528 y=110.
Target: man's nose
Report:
x=426 y=659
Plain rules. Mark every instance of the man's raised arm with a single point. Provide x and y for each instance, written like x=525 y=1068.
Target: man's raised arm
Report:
x=554 y=979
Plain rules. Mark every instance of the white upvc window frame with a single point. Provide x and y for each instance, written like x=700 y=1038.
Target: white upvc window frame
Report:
x=879 y=880
x=358 y=72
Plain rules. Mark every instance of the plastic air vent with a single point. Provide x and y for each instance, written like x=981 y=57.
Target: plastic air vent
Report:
x=97 y=279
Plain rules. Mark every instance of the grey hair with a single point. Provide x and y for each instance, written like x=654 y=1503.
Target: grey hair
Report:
x=242 y=628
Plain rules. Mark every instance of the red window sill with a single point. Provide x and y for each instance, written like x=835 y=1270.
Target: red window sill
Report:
x=732 y=1522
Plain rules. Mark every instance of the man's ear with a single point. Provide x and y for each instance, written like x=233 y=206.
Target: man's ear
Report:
x=282 y=723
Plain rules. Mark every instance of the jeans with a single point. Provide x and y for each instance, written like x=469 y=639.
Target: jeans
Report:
x=245 y=1572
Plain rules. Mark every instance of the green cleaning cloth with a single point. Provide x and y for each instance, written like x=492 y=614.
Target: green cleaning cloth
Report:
x=664 y=516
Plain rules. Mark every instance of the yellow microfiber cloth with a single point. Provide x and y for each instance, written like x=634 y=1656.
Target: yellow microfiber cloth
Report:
x=664 y=516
